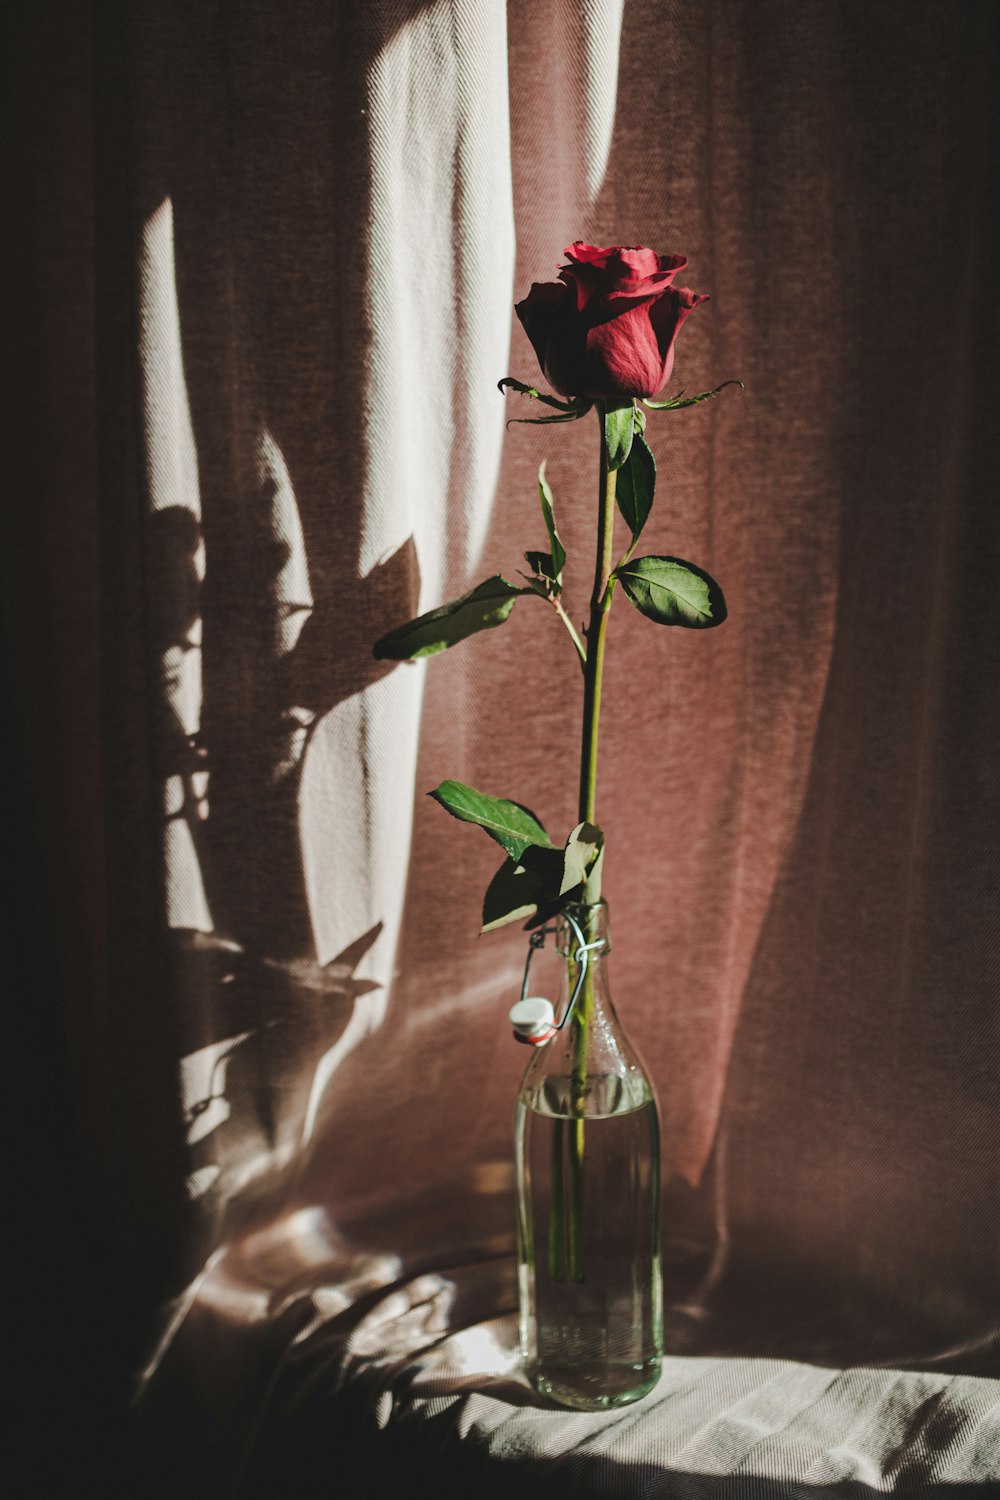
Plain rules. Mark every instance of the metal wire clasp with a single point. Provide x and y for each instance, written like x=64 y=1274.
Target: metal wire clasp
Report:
x=533 y=1017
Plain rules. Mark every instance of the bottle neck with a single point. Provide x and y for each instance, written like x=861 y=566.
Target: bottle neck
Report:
x=583 y=940
x=584 y=925
x=591 y=1044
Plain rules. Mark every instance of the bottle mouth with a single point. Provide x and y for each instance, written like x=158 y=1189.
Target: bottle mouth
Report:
x=586 y=919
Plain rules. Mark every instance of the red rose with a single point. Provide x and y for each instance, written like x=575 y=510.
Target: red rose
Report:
x=605 y=330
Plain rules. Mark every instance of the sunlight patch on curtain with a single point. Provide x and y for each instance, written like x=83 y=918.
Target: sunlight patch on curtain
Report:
x=177 y=565
x=441 y=257
x=602 y=28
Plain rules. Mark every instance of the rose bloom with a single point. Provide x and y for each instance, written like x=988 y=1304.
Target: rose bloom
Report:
x=605 y=330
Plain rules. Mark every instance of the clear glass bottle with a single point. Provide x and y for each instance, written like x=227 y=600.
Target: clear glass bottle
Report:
x=587 y=1155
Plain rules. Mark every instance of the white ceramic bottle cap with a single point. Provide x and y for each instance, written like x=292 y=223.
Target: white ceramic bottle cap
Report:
x=533 y=1019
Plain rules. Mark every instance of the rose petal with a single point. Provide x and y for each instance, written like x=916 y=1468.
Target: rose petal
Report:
x=541 y=312
x=583 y=281
x=633 y=262
x=625 y=352
x=671 y=264
x=585 y=254
x=606 y=329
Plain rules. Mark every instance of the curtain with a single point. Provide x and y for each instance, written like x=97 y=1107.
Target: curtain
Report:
x=268 y=258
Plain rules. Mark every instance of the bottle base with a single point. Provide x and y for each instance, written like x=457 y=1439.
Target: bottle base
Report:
x=599 y=1392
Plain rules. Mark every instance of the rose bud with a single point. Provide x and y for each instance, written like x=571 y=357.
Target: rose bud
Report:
x=605 y=330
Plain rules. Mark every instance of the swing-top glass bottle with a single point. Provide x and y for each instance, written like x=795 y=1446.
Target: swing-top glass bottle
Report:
x=588 y=1184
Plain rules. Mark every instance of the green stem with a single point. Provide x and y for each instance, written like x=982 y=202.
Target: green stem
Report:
x=593 y=672
x=578 y=1103
x=600 y=604
x=557 y=1224
x=577 y=1266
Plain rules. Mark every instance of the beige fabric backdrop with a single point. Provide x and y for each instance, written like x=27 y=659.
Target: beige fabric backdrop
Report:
x=310 y=230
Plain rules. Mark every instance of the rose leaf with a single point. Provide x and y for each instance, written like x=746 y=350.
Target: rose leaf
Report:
x=583 y=847
x=483 y=607
x=636 y=485
x=512 y=895
x=542 y=564
x=673 y=592
x=514 y=827
x=538 y=885
x=619 y=428
x=548 y=516
x=525 y=888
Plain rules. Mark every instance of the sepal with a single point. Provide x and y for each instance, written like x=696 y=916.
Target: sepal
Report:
x=573 y=409
x=676 y=402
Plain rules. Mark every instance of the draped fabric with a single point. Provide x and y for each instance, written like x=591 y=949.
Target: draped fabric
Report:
x=268 y=258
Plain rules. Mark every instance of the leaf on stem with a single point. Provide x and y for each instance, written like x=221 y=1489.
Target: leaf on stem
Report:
x=542 y=881
x=544 y=582
x=522 y=889
x=619 y=429
x=635 y=487
x=673 y=592
x=514 y=827
x=675 y=403
x=558 y=551
x=483 y=607
x=582 y=849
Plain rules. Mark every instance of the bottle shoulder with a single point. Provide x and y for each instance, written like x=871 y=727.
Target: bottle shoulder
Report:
x=604 y=1065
